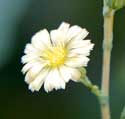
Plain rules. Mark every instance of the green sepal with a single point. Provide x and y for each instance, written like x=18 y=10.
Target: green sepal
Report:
x=83 y=72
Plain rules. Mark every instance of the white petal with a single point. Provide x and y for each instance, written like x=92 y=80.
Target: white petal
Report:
x=31 y=64
x=54 y=81
x=81 y=35
x=82 y=50
x=41 y=39
x=38 y=81
x=70 y=73
x=76 y=32
x=27 y=66
x=29 y=57
x=64 y=27
x=81 y=44
x=57 y=37
x=29 y=49
x=29 y=77
x=64 y=72
x=33 y=72
x=78 y=44
x=76 y=74
x=77 y=61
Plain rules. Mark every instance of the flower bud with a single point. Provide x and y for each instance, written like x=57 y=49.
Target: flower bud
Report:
x=115 y=4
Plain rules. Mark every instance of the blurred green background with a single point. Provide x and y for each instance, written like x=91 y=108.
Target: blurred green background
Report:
x=19 y=20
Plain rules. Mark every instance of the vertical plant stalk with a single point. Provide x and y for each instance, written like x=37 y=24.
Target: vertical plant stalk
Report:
x=107 y=47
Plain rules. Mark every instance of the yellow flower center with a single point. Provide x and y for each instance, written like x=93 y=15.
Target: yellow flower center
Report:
x=55 y=55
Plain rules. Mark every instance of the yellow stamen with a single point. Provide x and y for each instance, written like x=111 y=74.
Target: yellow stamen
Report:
x=55 y=55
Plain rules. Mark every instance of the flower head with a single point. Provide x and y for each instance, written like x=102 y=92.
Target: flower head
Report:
x=54 y=59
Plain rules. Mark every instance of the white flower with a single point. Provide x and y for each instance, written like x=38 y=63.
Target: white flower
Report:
x=54 y=59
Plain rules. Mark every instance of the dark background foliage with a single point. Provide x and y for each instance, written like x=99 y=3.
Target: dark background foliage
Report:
x=19 y=20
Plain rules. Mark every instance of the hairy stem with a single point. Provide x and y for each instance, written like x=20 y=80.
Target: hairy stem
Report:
x=107 y=47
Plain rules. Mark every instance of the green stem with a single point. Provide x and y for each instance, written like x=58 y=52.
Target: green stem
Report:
x=103 y=94
x=93 y=88
x=107 y=47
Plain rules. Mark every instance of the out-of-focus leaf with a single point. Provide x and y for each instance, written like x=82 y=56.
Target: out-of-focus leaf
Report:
x=123 y=114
